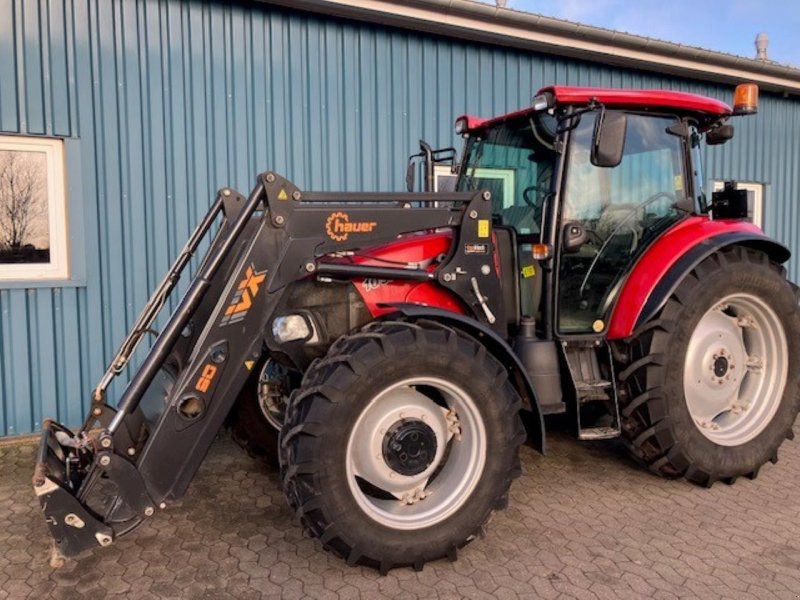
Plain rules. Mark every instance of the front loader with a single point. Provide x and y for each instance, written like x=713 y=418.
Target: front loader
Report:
x=395 y=338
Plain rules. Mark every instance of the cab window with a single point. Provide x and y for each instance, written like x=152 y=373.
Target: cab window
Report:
x=622 y=210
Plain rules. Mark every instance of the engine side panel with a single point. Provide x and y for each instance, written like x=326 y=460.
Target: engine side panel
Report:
x=420 y=250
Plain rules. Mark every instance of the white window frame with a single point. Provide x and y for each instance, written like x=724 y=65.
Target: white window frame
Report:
x=58 y=266
x=757 y=207
x=505 y=175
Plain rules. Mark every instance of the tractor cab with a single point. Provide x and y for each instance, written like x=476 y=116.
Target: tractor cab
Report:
x=585 y=181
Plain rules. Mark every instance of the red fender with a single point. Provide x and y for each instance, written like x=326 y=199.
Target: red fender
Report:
x=654 y=264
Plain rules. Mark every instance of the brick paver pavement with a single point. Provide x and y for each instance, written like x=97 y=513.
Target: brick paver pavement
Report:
x=583 y=522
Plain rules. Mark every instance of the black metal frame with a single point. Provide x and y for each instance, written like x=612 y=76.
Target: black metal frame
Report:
x=279 y=232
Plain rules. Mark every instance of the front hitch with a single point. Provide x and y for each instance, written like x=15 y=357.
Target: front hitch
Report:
x=65 y=463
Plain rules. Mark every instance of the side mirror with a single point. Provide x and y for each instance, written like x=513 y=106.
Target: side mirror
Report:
x=411 y=173
x=574 y=236
x=608 y=142
x=720 y=135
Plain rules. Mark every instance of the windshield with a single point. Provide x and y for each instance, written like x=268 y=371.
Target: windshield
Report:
x=515 y=162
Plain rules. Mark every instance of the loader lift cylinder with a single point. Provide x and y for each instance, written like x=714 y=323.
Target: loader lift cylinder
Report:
x=156 y=302
x=194 y=296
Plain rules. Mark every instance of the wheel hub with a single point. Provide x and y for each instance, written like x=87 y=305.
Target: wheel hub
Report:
x=409 y=447
x=720 y=366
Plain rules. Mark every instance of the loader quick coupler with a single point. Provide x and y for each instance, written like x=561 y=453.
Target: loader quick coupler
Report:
x=70 y=468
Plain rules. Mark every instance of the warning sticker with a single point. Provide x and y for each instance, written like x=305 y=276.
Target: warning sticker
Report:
x=483 y=228
x=678 y=183
x=528 y=271
x=282 y=195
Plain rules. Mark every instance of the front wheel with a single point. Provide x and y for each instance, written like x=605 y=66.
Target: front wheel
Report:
x=400 y=444
x=712 y=388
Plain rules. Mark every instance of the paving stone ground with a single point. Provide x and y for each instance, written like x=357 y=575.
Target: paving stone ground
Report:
x=583 y=522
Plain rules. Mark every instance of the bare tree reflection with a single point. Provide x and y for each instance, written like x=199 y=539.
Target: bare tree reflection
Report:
x=24 y=235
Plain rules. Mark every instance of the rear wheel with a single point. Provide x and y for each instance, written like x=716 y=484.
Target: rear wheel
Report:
x=712 y=388
x=400 y=444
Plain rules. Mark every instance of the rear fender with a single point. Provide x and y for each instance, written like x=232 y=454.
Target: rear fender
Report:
x=659 y=272
x=499 y=349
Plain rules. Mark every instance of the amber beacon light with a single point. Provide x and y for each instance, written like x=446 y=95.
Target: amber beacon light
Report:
x=745 y=99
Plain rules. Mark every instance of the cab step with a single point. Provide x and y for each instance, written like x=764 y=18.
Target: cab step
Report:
x=591 y=368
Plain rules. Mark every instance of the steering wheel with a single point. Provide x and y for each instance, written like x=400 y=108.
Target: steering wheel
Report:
x=622 y=222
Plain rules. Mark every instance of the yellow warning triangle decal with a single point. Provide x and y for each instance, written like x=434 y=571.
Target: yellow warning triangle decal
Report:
x=249 y=364
x=282 y=195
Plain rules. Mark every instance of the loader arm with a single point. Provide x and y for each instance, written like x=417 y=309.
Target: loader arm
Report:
x=103 y=480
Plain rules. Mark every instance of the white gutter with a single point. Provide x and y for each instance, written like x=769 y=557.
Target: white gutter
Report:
x=479 y=22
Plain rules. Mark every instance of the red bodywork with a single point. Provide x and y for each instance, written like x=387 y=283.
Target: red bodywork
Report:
x=380 y=295
x=424 y=248
x=654 y=264
x=707 y=110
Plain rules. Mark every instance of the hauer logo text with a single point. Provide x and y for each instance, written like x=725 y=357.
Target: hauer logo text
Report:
x=339 y=227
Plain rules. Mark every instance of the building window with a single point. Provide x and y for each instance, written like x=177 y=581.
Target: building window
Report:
x=33 y=223
x=498 y=181
x=755 y=199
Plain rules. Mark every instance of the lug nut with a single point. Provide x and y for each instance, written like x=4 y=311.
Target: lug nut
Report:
x=280 y=220
x=473 y=214
x=105 y=442
x=105 y=460
x=148 y=512
x=131 y=451
x=226 y=192
x=296 y=195
x=311 y=267
x=162 y=506
x=270 y=177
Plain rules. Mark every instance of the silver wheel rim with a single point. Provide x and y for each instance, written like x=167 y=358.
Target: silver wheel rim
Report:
x=735 y=369
x=271 y=397
x=429 y=497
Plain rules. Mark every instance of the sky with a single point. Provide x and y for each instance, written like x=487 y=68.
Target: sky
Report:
x=725 y=26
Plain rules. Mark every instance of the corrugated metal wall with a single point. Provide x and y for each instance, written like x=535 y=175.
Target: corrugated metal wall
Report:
x=165 y=101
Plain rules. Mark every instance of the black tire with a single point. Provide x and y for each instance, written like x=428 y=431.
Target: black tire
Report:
x=324 y=411
x=657 y=424
x=250 y=429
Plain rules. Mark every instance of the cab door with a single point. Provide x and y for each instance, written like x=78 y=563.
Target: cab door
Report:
x=616 y=213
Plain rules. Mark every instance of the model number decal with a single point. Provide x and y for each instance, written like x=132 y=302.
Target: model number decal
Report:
x=206 y=378
x=476 y=248
x=242 y=299
x=371 y=285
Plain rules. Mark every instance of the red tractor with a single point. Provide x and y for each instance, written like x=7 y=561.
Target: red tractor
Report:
x=578 y=267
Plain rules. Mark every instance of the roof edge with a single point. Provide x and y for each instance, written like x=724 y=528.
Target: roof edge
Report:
x=479 y=22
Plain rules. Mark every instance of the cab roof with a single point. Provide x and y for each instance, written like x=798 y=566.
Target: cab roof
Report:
x=705 y=110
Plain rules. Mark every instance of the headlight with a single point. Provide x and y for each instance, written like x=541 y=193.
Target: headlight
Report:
x=290 y=328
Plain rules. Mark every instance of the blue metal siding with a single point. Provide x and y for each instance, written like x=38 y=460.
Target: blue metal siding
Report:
x=166 y=101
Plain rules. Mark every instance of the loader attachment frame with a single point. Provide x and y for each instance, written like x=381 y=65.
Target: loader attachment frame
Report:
x=105 y=479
